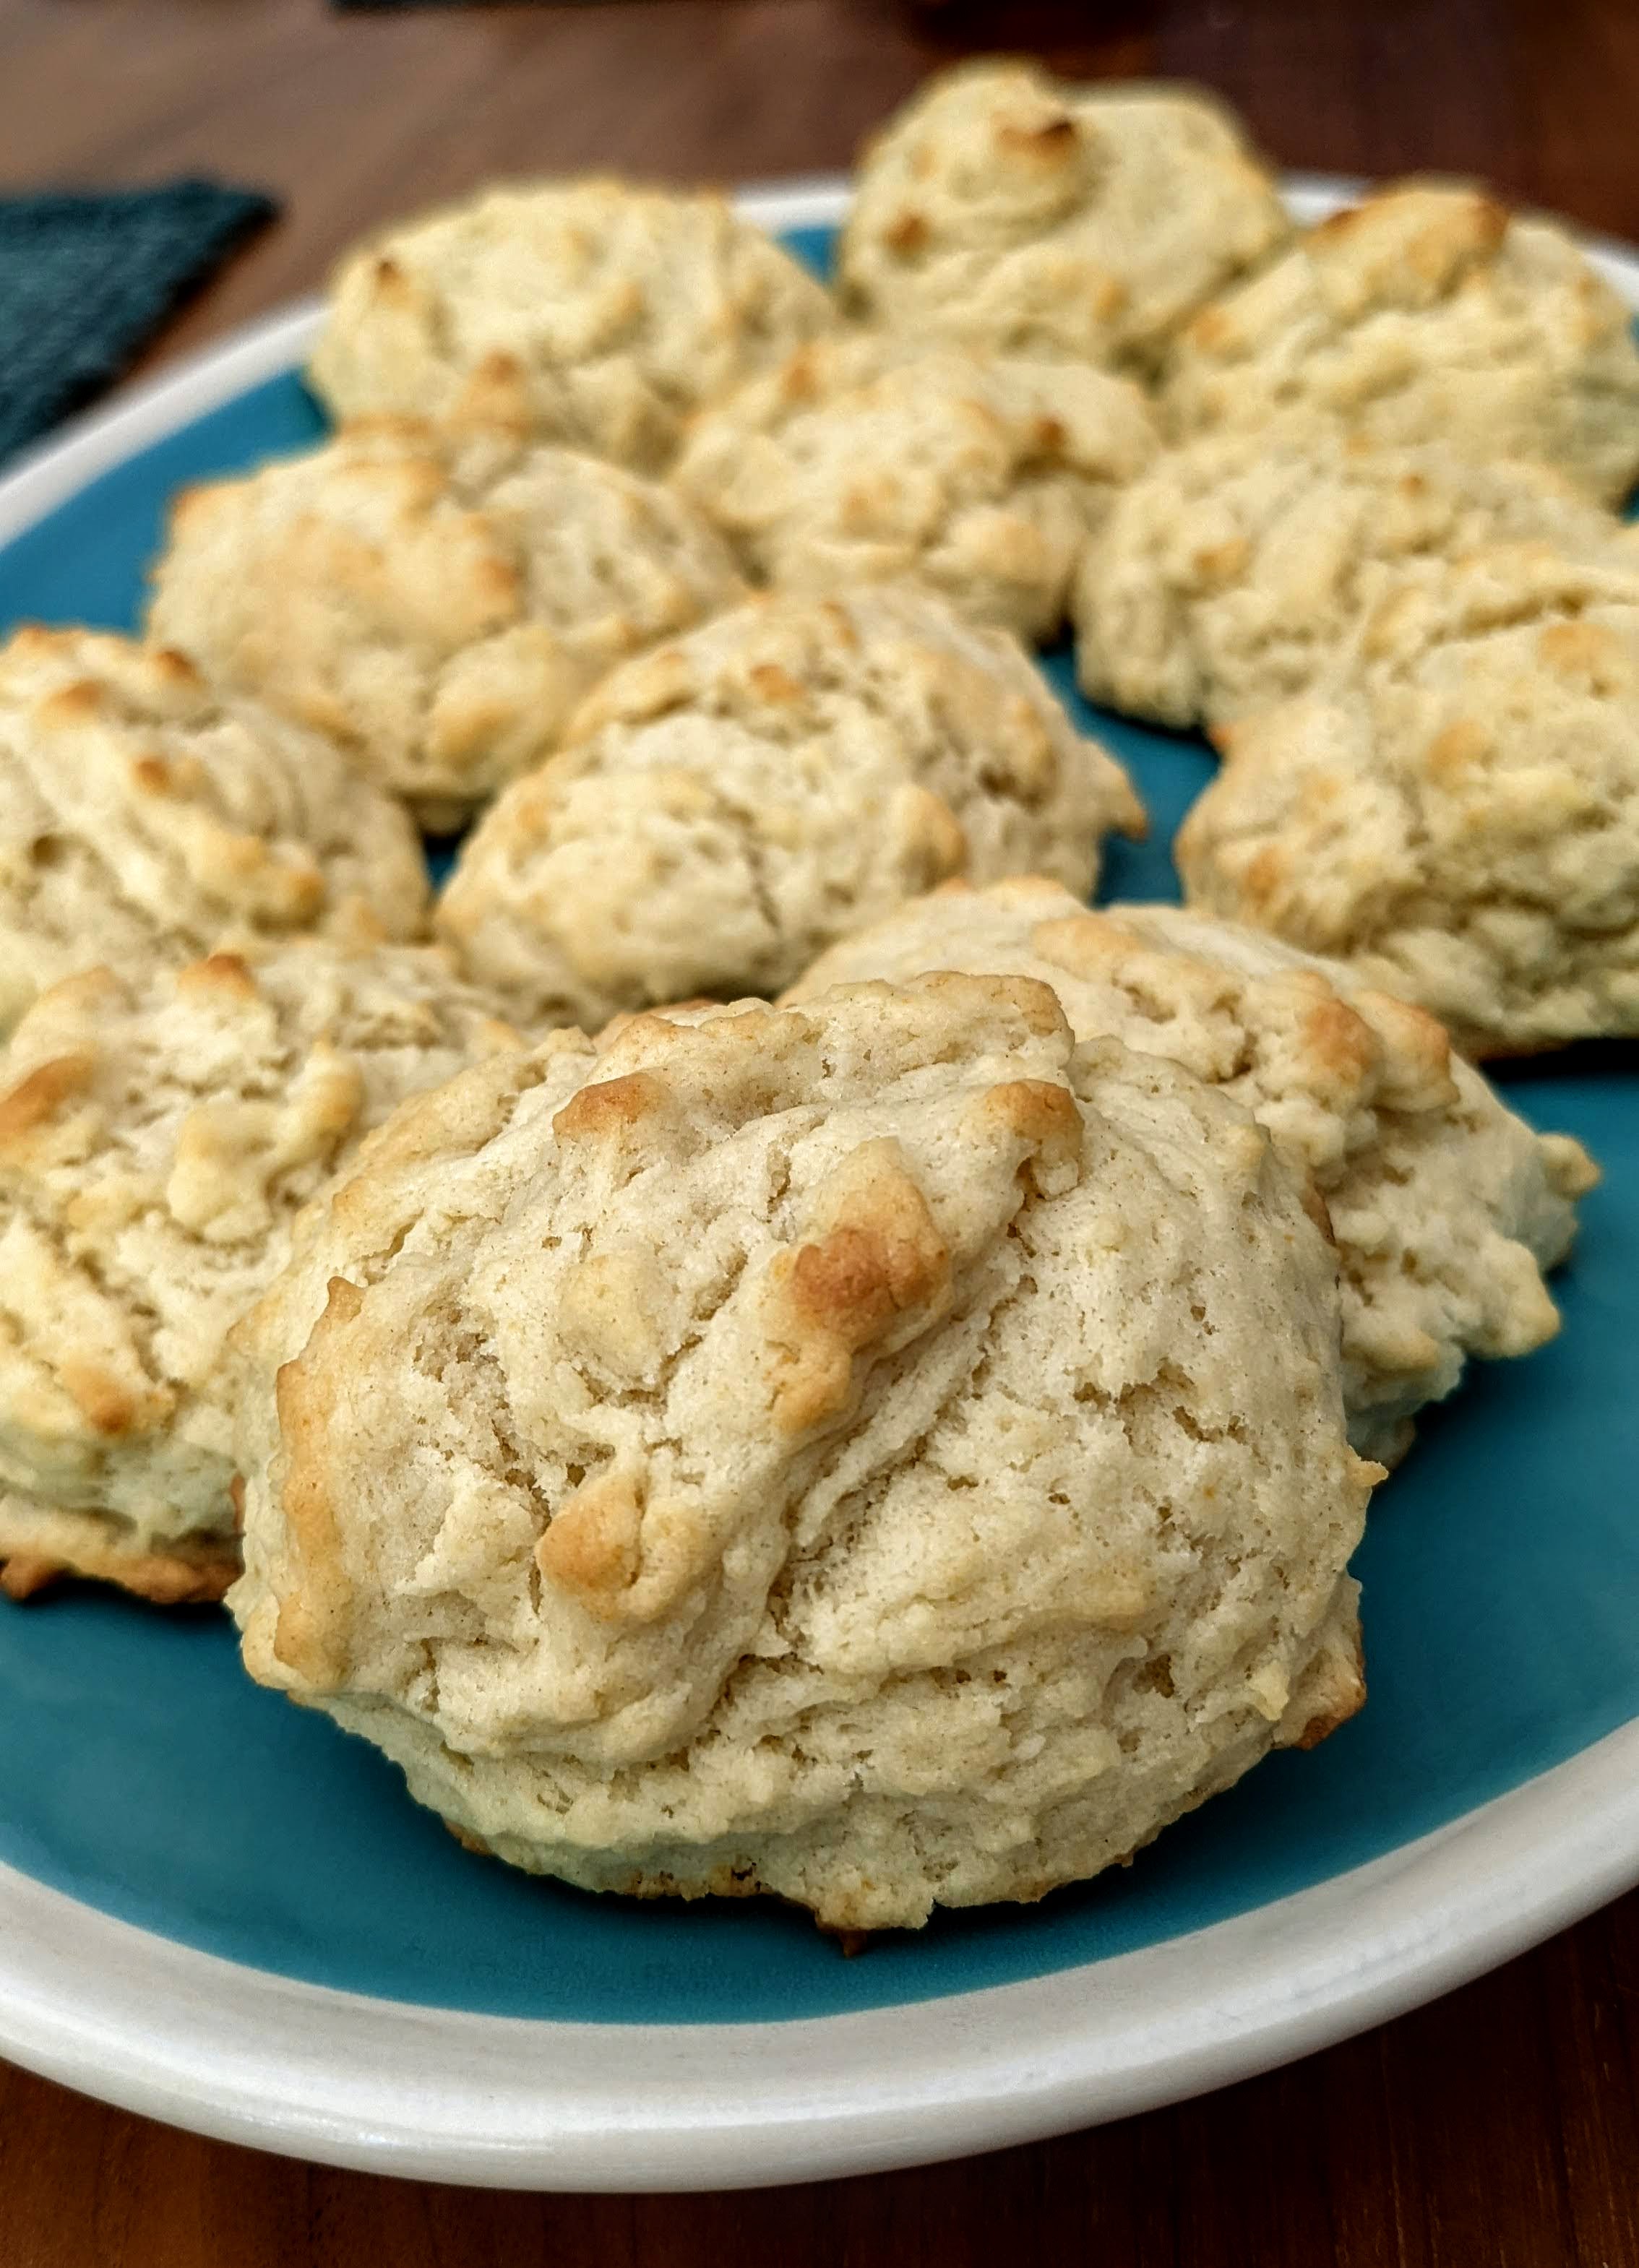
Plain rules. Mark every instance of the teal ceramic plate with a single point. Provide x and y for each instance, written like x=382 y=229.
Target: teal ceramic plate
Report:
x=219 y=1910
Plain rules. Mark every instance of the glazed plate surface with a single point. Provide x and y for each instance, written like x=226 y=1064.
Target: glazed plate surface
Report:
x=219 y=1910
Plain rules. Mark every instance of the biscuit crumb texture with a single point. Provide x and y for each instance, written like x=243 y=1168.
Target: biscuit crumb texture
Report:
x=1455 y=810
x=142 y=820
x=1428 y=312
x=1007 y=212
x=588 y=312
x=872 y=1453
x=40 y=1543
x=868 y=456
x=437 y=609
x=1224 y=579
x=158 y=1136
x=1446 y=1209
x=727 y=805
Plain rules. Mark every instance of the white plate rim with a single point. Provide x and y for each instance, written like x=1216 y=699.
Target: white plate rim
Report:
x=444 y=2095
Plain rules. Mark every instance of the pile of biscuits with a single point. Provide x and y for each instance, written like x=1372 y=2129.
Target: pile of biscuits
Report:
x=756 y=1343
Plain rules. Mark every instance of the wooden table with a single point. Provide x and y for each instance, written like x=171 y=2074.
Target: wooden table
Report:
x=1500 y=2126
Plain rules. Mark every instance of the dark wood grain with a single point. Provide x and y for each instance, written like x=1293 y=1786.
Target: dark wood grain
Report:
x=1499 y=2129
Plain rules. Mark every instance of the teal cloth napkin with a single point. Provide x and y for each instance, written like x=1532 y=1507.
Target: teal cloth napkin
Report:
x=88 y=279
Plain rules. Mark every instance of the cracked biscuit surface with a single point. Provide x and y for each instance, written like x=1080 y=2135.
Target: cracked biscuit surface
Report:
x=1445 y=1208
x=1428 y=312
x=730 y=804
x=157 y=1135
x=866 y=458
x=589 y=312
x=436 y=609
x=143 y=820
x=1455 y=809
x=1225 y=578
x=874 y=1452
x=1007 y=212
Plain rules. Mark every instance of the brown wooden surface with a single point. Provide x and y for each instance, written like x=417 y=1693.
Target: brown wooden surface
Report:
x=1501 y=2125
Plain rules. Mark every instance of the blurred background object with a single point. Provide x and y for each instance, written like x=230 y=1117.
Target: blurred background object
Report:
x=356 y=117
x=85 y=281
